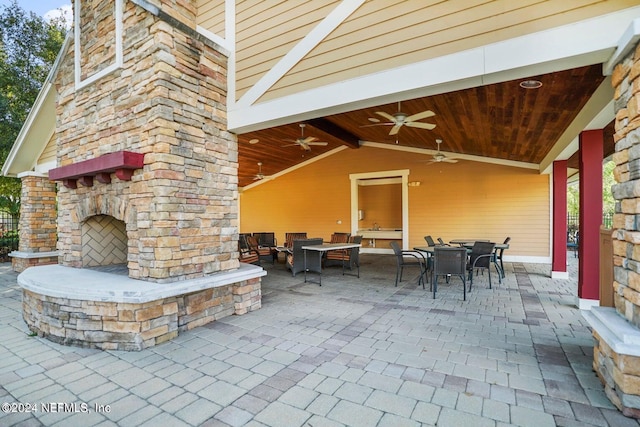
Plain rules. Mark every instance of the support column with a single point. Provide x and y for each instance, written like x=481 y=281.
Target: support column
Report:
x=37 y=226
x=591 y=152
x=559 y=238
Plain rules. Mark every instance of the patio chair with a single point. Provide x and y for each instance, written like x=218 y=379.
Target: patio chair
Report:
x=480 y=259
x=290 y=237
x=409 y=258
x=441 y=242
x=295 y=259
x=429 y=240
x=350 y=257
x=262 y=251
x=449 y=261
x=498 y=255
x=246 y=254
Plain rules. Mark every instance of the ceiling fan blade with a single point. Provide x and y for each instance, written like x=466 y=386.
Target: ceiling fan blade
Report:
x=386 y=116
x=448 y=160
x=290 y=145
x=378 y=124
x=394 y=130
x=307 y=139
x=317 y=143
x=420 y=125
x=420 y=116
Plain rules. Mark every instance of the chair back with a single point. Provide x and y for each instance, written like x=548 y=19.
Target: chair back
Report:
x=252 y=242
x=441 y=242
x=479 y=249
x=429 y=241
x=340 y=237
x=266 y=239
x=449 y=260
x=242 y=240
x=290 y=237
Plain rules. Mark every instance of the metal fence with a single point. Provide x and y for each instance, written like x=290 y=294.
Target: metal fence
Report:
x=573 y=221
x=8 y=235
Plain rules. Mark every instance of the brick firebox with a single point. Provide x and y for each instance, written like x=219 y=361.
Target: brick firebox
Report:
x=138 y=82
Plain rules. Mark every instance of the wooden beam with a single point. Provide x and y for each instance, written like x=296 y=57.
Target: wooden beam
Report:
x=336 y=131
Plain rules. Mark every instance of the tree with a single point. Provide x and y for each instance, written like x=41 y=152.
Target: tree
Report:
x=28 y=48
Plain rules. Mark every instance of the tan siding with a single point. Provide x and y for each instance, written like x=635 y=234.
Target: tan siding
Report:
x=211 y=16
x=265 y=35
x=374 y=40
x=459 y=200
x=49 y=153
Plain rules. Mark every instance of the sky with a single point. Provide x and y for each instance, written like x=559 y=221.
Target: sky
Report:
x=43 y=8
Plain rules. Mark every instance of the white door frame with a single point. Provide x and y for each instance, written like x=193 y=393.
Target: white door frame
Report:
x=403 y=174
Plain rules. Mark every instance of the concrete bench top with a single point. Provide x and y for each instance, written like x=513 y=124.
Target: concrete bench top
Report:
x=86 y=284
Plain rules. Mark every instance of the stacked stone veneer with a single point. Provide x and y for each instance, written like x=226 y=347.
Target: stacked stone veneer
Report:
x=134 y=326
x=618 y=368
x=38 y=234
x=167 y=102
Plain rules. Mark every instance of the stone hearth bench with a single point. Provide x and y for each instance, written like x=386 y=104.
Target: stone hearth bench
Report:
x=95 y=309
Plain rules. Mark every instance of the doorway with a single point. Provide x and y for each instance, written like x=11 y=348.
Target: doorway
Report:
x=358 y=214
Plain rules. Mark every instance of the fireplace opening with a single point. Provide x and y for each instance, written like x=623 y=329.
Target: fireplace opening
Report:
x=104 y=242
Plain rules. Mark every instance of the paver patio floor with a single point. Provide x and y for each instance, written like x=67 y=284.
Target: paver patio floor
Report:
x=352 y=352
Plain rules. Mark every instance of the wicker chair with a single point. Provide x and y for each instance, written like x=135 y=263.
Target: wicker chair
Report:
x=295 y=260
x=498 y=256
x=290 y=237
x=262 y=251
x=448 y=261
x=246 y=254
x=350 y=257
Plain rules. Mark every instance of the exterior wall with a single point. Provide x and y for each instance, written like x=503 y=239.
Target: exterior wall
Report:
x=49 y=153
x=167 y=102
x=378 y=35
x=462 y=200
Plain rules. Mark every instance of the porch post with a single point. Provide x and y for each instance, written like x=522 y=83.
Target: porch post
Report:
x=591 y=149
x=559 y=238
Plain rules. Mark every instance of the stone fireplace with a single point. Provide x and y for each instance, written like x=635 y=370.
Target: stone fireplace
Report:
x=147 y=179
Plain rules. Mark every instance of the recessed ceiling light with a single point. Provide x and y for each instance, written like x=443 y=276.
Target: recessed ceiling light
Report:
x=253 y=141
x=373 y=120
x=530 y=84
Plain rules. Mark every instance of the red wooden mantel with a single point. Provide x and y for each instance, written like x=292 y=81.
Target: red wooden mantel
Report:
x=123 y=163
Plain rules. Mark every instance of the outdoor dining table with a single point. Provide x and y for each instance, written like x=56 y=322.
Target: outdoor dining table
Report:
x=323 y=248
x=468 y=244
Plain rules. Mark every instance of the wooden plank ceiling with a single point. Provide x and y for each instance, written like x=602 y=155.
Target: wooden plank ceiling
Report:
x=500 y=121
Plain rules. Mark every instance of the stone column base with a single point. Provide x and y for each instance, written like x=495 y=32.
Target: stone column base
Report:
x=616 y=358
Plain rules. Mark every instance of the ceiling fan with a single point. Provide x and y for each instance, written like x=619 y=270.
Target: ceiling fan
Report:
x=259 y=175
x=304 y=143
x=400 y=119
x=439 y=157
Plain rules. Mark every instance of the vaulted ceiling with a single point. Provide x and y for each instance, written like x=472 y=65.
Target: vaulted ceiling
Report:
x=500 y=121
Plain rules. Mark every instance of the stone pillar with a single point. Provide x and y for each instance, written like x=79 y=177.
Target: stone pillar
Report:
x=559 y=255
x=37 y=226
x=616 y=357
